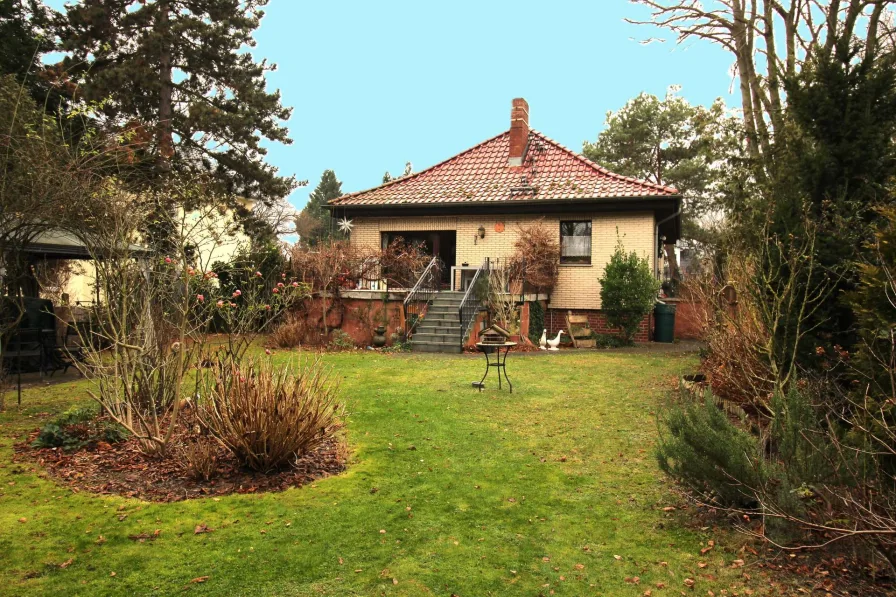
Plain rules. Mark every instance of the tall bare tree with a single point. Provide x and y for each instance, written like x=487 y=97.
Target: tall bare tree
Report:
x=769 y=40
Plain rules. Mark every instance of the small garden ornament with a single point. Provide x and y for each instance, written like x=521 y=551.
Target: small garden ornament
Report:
x=555 y=342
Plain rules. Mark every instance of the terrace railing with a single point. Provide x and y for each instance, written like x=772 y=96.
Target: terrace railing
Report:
x=470 y=304
x=422 y=294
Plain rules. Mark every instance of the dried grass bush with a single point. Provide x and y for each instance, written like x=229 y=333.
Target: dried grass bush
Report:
x=536 y=258
x=200 y=458
x=290 y=333
x=502 y=306
x=267 y=416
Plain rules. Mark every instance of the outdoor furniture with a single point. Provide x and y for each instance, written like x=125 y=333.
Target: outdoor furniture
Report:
x=33 y=345
x=579 y=330
x=489 y=349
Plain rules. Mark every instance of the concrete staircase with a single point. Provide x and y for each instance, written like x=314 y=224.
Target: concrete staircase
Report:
x=439 y=330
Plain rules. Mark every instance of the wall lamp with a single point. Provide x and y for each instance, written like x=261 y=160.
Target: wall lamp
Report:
x=481 y=232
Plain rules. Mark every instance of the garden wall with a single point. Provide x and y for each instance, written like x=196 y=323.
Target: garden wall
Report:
x=555 y=320
x=356 y=313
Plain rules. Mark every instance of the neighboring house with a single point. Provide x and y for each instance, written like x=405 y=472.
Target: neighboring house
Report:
x=213 y=231
x=473 y=206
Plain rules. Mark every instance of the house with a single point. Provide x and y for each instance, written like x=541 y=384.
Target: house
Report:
x=472 y=207
x=213 y=231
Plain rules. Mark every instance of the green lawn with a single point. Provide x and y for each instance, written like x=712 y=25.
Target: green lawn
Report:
x=551 y=490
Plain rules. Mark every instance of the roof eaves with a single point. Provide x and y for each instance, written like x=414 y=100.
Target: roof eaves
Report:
x=577 y=200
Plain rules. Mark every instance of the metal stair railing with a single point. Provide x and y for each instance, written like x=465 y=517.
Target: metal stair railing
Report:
x=469 y=306
x=422 y=294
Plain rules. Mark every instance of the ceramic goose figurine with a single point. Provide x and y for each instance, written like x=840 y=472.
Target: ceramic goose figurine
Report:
x=555 y=342
x=542 y=344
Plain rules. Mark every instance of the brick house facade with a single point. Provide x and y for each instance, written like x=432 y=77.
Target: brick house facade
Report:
x=475 y=205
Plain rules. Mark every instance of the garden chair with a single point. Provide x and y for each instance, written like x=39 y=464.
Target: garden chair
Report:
x=579 y=330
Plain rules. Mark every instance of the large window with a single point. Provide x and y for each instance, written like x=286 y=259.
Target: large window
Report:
x=575 y=242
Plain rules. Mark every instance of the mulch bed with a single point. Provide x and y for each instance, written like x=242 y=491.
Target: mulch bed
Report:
x=839 y=570
x=122 y=469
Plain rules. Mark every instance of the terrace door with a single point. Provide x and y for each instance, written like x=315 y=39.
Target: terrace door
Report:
x=440 y=242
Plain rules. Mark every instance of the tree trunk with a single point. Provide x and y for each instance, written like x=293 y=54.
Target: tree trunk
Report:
x=165 y=140
x=674 y=272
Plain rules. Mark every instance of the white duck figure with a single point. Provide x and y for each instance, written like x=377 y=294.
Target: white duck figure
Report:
x=542 y=344
x=555 y=342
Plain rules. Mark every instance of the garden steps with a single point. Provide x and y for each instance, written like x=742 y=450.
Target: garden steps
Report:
x=439 y=330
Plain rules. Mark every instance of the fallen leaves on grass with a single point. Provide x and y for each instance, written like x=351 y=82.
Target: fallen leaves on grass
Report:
x=142 y=537
x=202 y=528
x=709 y=545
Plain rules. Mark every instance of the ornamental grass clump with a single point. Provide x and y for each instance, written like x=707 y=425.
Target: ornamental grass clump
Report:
x=267 y=416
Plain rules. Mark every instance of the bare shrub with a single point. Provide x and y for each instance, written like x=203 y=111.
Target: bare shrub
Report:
x=536 y=257
x=400 y=264
x=267 y=416
x=153 y=328
x=731 y=332
x=502 y=306
x=754 y=345
x=290 y=333
x=200 y=459
x=327 y=268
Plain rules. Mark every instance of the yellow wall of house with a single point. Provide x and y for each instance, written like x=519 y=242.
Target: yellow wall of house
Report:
x=577 y=287
x=214 y=233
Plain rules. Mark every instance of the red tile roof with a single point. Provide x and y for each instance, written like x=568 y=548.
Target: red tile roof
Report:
x=481 y=174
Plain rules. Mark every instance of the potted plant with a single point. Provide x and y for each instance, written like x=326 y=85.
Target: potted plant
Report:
x=379 y=332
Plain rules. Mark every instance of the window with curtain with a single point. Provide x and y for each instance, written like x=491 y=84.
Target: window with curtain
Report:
x=575 y=242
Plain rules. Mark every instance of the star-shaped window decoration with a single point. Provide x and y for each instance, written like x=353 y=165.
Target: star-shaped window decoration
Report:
x=345 y=225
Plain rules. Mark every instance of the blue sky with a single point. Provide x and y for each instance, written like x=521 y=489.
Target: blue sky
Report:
x=376 y=84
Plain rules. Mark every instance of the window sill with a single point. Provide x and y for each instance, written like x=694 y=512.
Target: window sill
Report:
x=576 y=265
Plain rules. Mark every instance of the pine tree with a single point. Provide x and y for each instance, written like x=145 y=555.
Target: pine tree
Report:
x=176 y=74
x=24 y=40
x=669 y=142
x=316 y=212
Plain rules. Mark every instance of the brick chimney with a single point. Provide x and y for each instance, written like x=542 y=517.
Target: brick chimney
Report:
x=519 y=131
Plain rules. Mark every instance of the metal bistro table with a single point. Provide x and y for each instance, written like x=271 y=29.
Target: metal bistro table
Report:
x=500 y=363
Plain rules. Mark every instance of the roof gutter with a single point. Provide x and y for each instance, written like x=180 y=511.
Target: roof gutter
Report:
x=505 y=202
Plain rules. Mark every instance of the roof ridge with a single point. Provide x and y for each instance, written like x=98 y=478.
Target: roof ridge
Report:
x=602 y=169
x=335 y=200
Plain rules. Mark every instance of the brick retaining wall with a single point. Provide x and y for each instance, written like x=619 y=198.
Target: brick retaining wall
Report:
x=555 y=320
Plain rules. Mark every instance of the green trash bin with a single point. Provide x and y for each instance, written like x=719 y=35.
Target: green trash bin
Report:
x=664 y=323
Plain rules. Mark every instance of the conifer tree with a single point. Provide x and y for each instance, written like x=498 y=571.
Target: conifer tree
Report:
x=25 y=38
x=177 y=74
x=316 y=212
